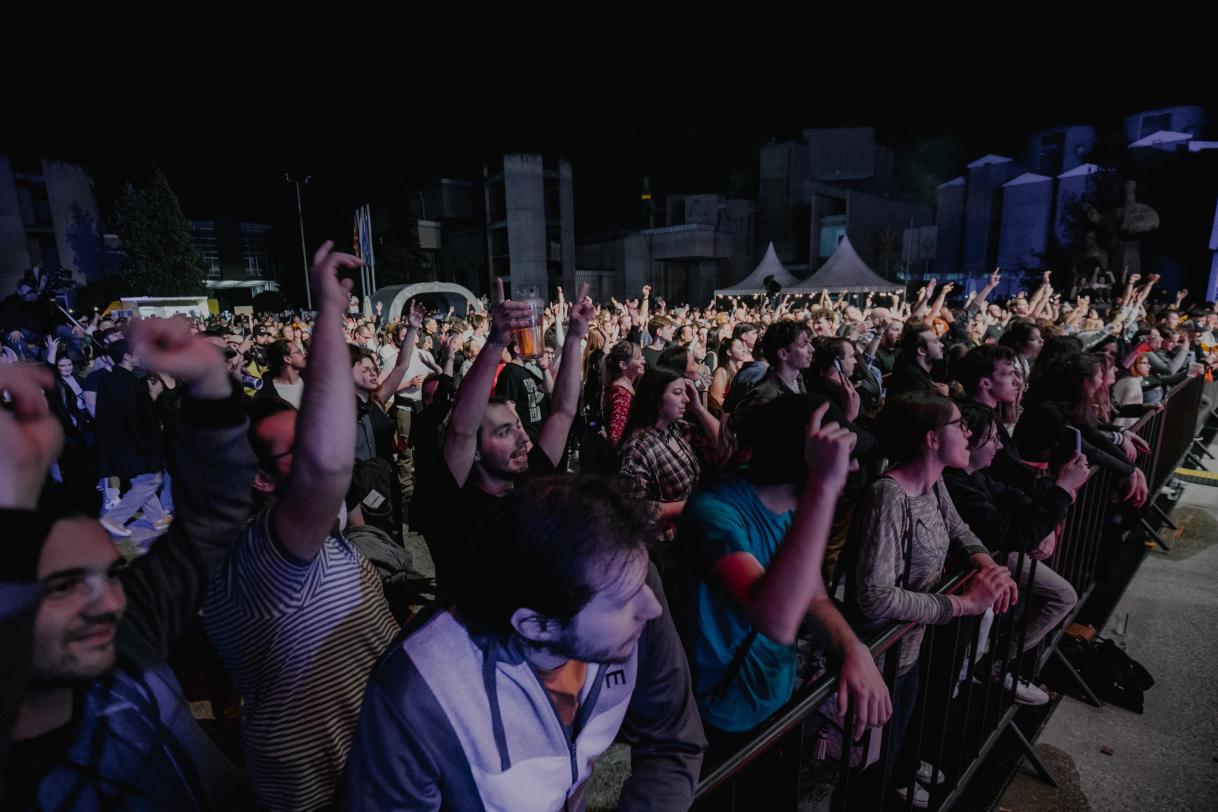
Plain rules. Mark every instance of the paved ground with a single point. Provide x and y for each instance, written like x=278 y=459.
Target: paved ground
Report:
x=1166 y=758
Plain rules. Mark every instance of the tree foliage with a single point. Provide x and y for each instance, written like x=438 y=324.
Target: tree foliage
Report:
x=160 y=259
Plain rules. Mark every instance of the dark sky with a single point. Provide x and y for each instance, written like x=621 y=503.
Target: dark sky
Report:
x=686 y=110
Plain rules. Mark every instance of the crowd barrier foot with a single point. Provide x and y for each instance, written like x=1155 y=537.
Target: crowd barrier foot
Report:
x=1032 y=756
x=1154 y=535
x=1163 y=515
x=1193 y=459
x=1082 y=684
x=1197 y=442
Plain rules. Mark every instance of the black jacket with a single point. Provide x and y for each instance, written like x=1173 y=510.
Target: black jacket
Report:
x=1004 y=518
x=1043 y=434
x=909 y=377
x=128 y=427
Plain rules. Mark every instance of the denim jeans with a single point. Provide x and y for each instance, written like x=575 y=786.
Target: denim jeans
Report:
x=142 y=495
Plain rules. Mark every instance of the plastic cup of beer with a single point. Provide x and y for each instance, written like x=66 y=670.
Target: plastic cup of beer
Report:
x=529 y=340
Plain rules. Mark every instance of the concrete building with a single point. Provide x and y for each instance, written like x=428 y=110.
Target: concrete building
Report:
x=48 y=217
x=1011 y=213
x=237 y=261
x=518 y=223
x=831 y=184
x=452 y=233
x=530 y=222
x=707 y=243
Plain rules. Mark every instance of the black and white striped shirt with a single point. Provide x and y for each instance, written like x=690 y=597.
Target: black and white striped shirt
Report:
x=300 y=639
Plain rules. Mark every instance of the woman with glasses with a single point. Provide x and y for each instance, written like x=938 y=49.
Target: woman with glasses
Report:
x=905 y=529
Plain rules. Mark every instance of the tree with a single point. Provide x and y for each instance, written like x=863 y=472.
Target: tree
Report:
x=160 y=258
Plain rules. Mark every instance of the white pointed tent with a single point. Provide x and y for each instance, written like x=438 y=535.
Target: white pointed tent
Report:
x=754 y=283
x=845 y=271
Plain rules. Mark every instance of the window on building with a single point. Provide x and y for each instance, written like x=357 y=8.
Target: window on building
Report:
x=253 y=248
x=204 y=240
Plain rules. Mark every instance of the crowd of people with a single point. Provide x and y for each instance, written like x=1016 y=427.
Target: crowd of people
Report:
x=629 y=530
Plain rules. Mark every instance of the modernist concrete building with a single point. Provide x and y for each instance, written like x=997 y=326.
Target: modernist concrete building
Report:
x=1009 y=213
x=48 y=217
x=518 y=223
x=831 y=184
x=707 y=243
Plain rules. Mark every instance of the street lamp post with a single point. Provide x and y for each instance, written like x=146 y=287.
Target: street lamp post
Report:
x=304 y=254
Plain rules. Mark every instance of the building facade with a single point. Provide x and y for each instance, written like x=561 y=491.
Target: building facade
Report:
x=237 y=259
x=48 y=217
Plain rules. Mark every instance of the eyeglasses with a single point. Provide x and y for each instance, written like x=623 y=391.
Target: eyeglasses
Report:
x=959 y=421
x=72 y=583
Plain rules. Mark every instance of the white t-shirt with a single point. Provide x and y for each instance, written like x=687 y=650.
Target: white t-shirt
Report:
x=421 y=363
x=290 y=392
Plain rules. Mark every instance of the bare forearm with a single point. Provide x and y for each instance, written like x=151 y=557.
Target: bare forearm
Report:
x=394 y=379
x=325 y=435
x=472 y=397
x=784 y=593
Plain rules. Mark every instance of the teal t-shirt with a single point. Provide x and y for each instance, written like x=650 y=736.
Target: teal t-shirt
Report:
x=726 y=519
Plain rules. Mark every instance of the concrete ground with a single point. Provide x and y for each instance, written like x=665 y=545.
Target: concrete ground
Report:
x=1167 y=757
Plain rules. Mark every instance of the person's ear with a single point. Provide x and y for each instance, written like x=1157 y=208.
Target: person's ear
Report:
x=535 y=627
x=984 y=384
x=932 y=440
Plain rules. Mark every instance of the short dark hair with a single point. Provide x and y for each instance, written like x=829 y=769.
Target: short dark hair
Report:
x=905 y=420
x=117 y=350
x=557 y=542
x=828 y=349
x=359 y=353
x=980 y=362
x=675 y=358
x=778 y=442
x=912 y=338
x=779 y=336
x=277 y=353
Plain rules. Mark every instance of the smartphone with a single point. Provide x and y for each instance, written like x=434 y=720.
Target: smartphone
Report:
x=1078 y=439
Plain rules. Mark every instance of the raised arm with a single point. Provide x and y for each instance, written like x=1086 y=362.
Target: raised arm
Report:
x=553 y=436
x=461 y=438
x=322 y=456
x=414 y=321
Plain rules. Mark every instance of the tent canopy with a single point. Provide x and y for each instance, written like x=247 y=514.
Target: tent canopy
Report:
x=437 y=297
x=754 y=283
x=844 y=272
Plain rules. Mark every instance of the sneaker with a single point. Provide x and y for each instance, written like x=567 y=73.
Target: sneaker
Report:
x=114 y=528
x=921 y=798
x=1025 y=692
x=928 y=775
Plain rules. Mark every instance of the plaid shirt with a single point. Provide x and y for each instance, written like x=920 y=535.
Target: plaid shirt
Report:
x=659 y=465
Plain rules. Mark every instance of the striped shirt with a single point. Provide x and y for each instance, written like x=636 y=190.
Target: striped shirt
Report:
x=300 y=639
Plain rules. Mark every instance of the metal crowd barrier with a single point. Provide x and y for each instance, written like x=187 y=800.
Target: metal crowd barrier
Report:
x=965 y=702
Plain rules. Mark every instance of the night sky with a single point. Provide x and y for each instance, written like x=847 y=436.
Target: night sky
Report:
x=688 y=111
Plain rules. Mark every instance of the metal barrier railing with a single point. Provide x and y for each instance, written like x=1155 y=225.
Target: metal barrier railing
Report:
x=966 y=700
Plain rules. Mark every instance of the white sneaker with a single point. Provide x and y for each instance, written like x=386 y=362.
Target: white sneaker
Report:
x=114 y=528
x=921 y=798
x=1025 y=692
x=928 y=775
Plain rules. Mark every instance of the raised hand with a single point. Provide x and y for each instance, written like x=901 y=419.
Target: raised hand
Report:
x=583 y=312
x=330 y=290
x=415 y=313
x=507 y=316
x=168 y=346
x=30 y=436
x=996 y=277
